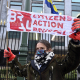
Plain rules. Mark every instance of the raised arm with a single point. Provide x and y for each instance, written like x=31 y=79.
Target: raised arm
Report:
x=16 y=67
x=72 y=59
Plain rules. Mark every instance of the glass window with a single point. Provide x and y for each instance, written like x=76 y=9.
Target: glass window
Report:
x=42 y=0
x=58 y=0
x=37 y=0
x=75 y=8
x=59 y=6
x=75 y=13
x=37 y=9
x=75 y=0
x=16 y=5
x=37 y=4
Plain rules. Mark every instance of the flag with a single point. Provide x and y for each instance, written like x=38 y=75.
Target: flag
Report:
x=51 y=5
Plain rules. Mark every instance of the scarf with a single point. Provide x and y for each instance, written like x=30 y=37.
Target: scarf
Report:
x=41 y=58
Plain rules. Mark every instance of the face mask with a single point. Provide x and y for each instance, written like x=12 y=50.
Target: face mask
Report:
x=40 y=52
x=40 y=55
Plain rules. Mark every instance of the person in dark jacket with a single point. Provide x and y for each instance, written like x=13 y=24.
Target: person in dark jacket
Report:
x=46 y=65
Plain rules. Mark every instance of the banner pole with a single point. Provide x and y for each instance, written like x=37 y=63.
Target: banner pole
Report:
x=7 y=58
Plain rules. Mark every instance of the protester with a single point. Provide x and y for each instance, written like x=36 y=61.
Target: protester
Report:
x=46 y=65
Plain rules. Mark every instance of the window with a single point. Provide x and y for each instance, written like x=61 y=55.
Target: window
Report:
x=58 y=0
x=37 y=8
x=75 y=8
x=37 y=0
x=16 y=5
x=75 y=0
x=75 y=13
x=42 y=0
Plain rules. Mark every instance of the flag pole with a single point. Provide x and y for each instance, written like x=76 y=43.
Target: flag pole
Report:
x=7 y=58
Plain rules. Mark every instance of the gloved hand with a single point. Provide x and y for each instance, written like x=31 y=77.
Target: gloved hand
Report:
x=76 y=24
x=75 y=36
x=9 y=54
x=76 y=28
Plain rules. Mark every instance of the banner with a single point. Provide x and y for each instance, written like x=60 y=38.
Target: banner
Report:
x=39 y=22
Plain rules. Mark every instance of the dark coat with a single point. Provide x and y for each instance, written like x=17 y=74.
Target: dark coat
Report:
x=56 y=69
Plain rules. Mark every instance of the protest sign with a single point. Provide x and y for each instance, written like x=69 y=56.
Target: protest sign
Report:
x=39 y=22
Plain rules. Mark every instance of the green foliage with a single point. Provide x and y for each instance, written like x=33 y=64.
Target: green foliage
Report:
x=71 y=76
x=3 y=74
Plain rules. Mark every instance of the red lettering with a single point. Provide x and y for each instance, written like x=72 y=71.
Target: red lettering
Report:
x=29 y=25
x=38 y=16
x=53 y=24
x=49 y=30
x=62 y=18
x=59 y=32
x=43 y=30
x=34 y=29
x=39 y=23
x=39 y=29
x=60 y=25
x=41 y=16
x=12 y=14
x=46 y=17
x=34 y=16
x=45 y=23
x=55 y=30
x=35 y=22
x=48 y=23
x=12 y=18
x=46 y=30
x=69 y=18
x=50 y=18
x=56 y=18
x=64 y=32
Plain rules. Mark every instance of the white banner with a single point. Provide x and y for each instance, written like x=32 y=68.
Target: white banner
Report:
x=39 y=22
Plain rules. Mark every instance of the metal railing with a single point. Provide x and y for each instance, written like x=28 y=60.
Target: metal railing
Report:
x=14 y=44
